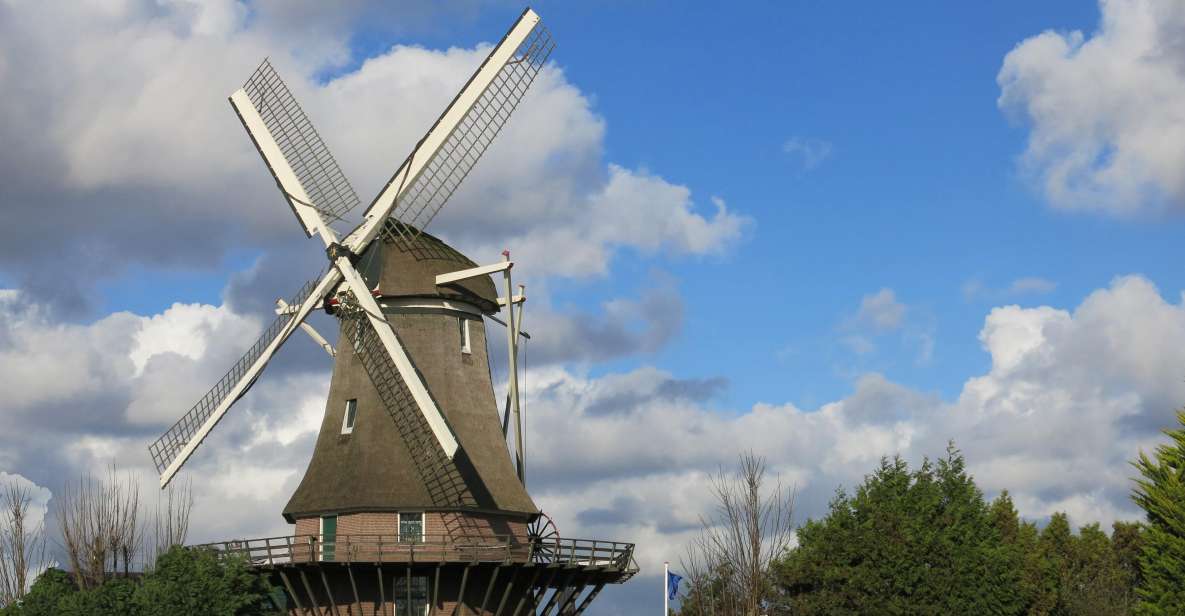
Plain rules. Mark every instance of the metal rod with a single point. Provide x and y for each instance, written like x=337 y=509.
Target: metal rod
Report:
x=503 y=324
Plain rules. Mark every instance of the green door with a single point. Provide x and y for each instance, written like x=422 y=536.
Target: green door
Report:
x=328 y=536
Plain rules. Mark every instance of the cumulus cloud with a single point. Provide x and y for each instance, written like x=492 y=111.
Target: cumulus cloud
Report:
x=1069 y=398
x=98 y=393
x=1107 y=127
x=121 y=147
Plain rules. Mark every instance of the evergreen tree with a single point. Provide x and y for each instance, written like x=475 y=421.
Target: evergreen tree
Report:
x=1160 y=492
x=921 y=542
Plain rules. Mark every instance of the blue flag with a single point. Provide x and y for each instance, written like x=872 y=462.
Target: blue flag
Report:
x=673 y=585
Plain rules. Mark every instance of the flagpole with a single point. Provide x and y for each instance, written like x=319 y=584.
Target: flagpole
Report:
x=666 y=593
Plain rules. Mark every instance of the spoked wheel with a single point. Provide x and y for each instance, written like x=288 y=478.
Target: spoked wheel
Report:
x=544 y=538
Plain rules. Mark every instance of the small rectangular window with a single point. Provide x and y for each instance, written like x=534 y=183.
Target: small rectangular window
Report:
x=350 y=416
x=464 y=325
x=411 y=527
x=416 y=600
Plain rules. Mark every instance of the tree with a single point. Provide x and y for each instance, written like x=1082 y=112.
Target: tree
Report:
x=1160 y=492
x=51 y=587
x=728 y=565
x=100 y=525
x=201 y=582
x=23 y=552
x=185 y=581
x=907 y=542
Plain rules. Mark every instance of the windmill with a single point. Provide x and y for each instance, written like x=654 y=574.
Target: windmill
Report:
x=411 y=503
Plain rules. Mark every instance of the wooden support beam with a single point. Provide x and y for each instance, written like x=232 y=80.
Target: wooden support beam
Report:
x=570 y=599
x=473 y=272
x=436 y=588
x=489 y=589
x=354 y=586
x=506 y=593
x=556 y=595
x=382 y=608
x=309 y=589
x=328 y=591
x=292 y=592
x=461 y=591
x=529 y=591
x=588 y=599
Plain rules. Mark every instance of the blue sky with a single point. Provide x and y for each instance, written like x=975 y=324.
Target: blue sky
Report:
x=918 y=189
x=825 y=232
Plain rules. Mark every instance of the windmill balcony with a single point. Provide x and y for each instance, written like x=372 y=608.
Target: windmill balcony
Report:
x=433 y=549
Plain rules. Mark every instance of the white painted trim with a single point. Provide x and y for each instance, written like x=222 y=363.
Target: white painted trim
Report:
x=282 y=307
x=276 y=163
x=473 y=272
x=411 y=167
x=423 y=524
x=466 y=340
x=393 y=304
x=347 y=427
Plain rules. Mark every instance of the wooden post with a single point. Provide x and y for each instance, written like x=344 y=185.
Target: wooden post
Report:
x=512 y=349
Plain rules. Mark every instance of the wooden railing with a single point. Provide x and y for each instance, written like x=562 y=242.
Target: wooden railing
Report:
x=272 y=551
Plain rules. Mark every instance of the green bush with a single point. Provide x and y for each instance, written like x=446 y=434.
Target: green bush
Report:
x=184 y=581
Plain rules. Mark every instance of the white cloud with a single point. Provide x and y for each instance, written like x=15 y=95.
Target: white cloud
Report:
x=975 y=288
x=808 y=151
x=881 y=311
x=39 y=498
x=1107 y=126
x=128 y=148
x=1069 y=399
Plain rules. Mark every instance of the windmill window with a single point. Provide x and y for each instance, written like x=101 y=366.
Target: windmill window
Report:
x=350 y=416
x=411 y=527
x=413 y=595
x=463 y=323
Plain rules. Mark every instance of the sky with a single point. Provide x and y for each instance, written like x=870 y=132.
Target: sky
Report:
x=822 y=232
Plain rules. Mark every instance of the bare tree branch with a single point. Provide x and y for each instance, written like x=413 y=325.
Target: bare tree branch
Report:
x=728 y=565
x=23 y=549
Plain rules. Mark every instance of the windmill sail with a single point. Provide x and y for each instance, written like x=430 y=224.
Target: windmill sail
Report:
x=441 y=477
x=442 y=159
x=327 y=188
x=171 y=450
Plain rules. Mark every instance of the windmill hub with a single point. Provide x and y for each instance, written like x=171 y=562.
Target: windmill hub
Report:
x=411 y=502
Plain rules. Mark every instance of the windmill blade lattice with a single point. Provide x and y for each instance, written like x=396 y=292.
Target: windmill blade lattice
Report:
x=446 y=487
x=310 y=159
x=165 y=449
x=431 y=189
